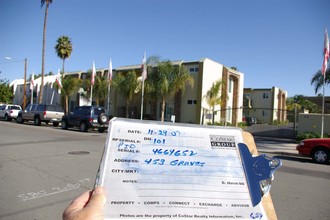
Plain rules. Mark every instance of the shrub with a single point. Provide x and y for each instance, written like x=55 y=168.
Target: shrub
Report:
x=277 y=122
x=307 y=135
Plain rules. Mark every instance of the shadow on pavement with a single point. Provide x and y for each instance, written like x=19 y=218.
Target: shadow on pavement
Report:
x=295 y=158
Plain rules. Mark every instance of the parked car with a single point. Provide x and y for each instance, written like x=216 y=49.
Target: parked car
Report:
x=86 y=117
x=250 y=120
x=41 y=113
x=316 y=148
x=9 y=111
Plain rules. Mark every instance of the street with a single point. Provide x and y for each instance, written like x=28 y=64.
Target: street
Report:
x=300 y=187
x=43 y=168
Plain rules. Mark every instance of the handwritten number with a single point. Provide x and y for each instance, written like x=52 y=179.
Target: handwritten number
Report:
x=155 y=161
x=159 y=141
x=163 y=132
x=148 y=161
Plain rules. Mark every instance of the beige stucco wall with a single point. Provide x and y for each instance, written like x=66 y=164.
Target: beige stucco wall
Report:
x=212 y=71
x=267 y=109
x=312 y=123
x=189 y=111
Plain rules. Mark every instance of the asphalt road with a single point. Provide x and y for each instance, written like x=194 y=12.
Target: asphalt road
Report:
x=42 y=169
x=300 y=190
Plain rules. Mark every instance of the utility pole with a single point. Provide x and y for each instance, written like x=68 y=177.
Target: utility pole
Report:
x=24 y=88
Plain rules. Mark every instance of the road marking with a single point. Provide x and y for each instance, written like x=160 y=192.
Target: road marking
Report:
x=55 y=190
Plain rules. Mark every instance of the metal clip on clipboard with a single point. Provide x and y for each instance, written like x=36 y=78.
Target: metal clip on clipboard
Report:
x=259 y=172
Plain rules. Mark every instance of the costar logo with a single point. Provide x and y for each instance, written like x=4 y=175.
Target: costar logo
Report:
x=218 y=141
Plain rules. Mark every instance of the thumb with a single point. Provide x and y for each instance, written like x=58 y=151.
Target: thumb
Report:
x=97 y=199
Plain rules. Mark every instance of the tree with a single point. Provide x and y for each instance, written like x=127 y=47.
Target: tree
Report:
x=47 y=3
x=213 y=96
x=166 y=80
x=299 y=102
x=70 y=86
x=100 y=89
x=126 y=84
x=6 y=93
x=318 y=80
x=63 y=49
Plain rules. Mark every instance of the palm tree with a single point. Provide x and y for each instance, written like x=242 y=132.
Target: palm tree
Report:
x=213 y=96
x=166 y=80
x=63 y=49
x=318 y=80
x=299 y=102
x=43 y=2
x=126 y=85
x=100 y=89
x=70 y=86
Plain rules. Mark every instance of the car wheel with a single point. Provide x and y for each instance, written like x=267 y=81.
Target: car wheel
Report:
x=19 y=119
x=55 y=123
x=83 y=127
x=103 y=118
x=64 y=124
x=321 y=155
x=37 y=120
x=101 y=130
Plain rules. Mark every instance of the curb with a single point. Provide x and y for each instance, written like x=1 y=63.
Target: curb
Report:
x=280 y=153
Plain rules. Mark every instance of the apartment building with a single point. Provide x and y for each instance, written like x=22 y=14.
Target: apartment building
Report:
x=188 y=107
x=266 y=105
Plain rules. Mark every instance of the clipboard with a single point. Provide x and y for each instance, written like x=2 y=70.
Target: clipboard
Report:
x=165 y=170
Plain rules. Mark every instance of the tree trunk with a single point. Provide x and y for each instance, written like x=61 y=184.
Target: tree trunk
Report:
x=127 y=108
x=63 y=67
x=163 y=108
x=213 y=115
x=43 y=55
x=66 y=104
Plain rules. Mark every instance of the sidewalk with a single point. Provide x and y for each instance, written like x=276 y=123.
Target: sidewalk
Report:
x=266 y=145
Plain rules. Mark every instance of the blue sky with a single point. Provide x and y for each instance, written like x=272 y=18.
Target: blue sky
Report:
x=274 y=42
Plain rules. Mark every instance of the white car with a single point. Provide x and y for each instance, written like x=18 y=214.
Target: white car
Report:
x=9 y=111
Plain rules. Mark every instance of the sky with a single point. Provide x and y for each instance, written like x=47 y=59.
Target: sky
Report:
x=272 y=42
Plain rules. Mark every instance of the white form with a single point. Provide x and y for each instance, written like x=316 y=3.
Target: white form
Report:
x=154 y=170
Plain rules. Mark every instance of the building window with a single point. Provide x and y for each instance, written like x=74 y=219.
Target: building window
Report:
x=193 y=69
x=192 y=102
x=264 y=113
x=265 y=95
x=230 y=89
x=228 y=113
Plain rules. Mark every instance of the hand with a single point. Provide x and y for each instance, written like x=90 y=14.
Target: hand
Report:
x=88 y=206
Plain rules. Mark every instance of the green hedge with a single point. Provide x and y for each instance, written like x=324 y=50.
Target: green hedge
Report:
x=307 y=135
